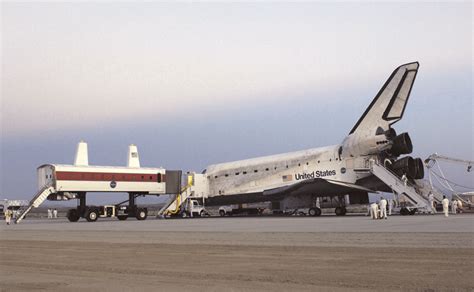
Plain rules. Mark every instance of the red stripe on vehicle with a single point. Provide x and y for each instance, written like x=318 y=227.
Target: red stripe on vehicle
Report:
x=109 y=176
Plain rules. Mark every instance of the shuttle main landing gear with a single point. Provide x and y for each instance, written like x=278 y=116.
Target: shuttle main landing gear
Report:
x=340 y=211
x=341 y=208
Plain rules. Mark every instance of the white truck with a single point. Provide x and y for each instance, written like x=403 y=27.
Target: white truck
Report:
x=194 y=208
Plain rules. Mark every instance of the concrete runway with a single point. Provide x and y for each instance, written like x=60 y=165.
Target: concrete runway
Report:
x=351 y=253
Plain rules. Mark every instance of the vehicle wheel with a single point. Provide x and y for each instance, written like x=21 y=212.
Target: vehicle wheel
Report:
x=413 y=211
x=141 y=213
x=73 y=215
x=202 y=213
x=222 y=213
x=340 y=211
x=92 y=215
x=314 y=212
x=404 y=211
x=122 y=217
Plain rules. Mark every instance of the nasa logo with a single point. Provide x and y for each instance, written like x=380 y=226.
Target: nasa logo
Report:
x=343 y=170
x=113 y=184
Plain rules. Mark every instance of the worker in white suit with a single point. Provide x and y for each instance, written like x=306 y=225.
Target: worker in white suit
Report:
x=459 y=206
x=445 y=203
x=454 y=206
x=404 y=179
x=432 y=203
x=374 y=211
x=55 y=213
x=390 y=206
x=8 y=216
x=383 y=208
x=50 y=214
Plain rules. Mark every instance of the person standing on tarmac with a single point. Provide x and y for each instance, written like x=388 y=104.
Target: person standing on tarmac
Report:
x=383 y=208
x=191 y=205
x=55 y=213
x=459 y=206
x=390 y=206
x=432 y=203
x=454 y=206
x=374 y=211
x=445 y=203
x=50 y=213
x=8 y=216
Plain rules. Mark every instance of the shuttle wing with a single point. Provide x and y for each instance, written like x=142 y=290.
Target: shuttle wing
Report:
x=389 y=104
x=318 y=186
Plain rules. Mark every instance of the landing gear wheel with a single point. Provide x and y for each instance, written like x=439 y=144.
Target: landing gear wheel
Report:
x=340 y=211
x=404 y=211
x=122 y=217
x=141 y=213
x=73 y=215
x=92 y=215
x=314 y=212
x=222 y=213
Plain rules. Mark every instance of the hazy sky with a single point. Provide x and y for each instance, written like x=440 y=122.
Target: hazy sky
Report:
x=198 y=83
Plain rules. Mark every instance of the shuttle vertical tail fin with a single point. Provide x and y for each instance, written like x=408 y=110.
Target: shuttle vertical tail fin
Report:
x=389 y=105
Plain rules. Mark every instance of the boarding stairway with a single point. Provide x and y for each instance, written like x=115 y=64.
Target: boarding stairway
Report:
x=37 y=200
x=173 y=206
x=425 y=187
x=417 y=200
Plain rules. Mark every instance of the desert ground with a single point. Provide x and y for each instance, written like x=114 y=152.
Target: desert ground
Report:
x=351 y=253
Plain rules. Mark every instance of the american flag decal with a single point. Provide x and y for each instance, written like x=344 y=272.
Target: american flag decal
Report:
x=287 y=177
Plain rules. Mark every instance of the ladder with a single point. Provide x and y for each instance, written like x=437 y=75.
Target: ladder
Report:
x=425 y=188
x=398 y=186
x=37 y=200
x=173 y=206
